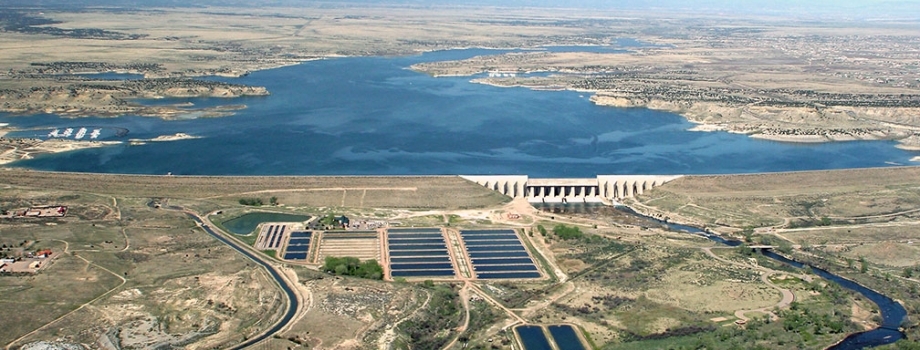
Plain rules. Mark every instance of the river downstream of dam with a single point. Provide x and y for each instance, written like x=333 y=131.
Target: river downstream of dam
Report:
x=893 y=313
x=374 y=116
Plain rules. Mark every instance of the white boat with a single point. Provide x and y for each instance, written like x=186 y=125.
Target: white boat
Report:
x=67 y=132
x=54 y=133
x=80 y=133
x=95 y=134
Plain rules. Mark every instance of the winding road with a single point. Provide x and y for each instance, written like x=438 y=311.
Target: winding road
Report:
x=788 y=296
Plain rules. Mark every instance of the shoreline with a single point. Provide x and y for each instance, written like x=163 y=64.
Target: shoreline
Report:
x=789 y=172
x=804 y=134
x=908 y=143
x=25 y=149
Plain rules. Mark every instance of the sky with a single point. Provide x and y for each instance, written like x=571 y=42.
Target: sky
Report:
x=848 y=9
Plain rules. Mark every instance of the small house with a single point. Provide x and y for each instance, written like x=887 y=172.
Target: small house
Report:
x=342 y=221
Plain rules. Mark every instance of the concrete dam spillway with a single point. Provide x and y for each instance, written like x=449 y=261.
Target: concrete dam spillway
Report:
x=602 y=189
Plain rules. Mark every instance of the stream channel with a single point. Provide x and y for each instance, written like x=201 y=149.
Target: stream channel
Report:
x=892 y=312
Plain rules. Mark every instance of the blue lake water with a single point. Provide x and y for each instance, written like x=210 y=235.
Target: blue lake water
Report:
x=371 y=115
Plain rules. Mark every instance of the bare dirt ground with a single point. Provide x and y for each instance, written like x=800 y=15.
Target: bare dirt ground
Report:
x=12 y=150
x=139 y=279
x=776 y=200
x=407 y=192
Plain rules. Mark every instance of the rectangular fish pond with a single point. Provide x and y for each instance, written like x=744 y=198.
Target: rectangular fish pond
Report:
x=498 y=254
x=533 y=337
x=418 y=252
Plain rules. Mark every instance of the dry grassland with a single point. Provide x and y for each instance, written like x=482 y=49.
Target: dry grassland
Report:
x=181 y=287
x=447 y=192
x=633 y=282
x=190 y=40
x=349 y=313
x=762 y=200
x=124 y=273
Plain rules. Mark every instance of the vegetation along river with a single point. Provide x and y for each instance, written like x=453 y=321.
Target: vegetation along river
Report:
x=893 y=313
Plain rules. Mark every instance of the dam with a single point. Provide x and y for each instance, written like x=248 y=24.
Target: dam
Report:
x=602 y=189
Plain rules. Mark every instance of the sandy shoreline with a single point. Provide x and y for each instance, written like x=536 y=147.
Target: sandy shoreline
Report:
x=165 y=138
x=12 y=150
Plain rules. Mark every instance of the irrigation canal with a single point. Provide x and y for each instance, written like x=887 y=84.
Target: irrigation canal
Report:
x=293 y=303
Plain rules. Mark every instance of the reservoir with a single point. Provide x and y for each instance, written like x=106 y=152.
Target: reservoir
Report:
x=374 y=116
x=246 y=223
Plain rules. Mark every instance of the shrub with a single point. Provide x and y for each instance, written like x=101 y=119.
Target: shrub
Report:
x=566 y=232
x=349 y=266
x=255 y=202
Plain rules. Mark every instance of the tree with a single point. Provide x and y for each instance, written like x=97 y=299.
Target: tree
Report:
x=350 y=266
x=863 y=265
x=273 y=201
x=567 y=233
x=251 y=201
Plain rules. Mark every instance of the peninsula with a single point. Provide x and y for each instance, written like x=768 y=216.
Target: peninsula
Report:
x=768 y=77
